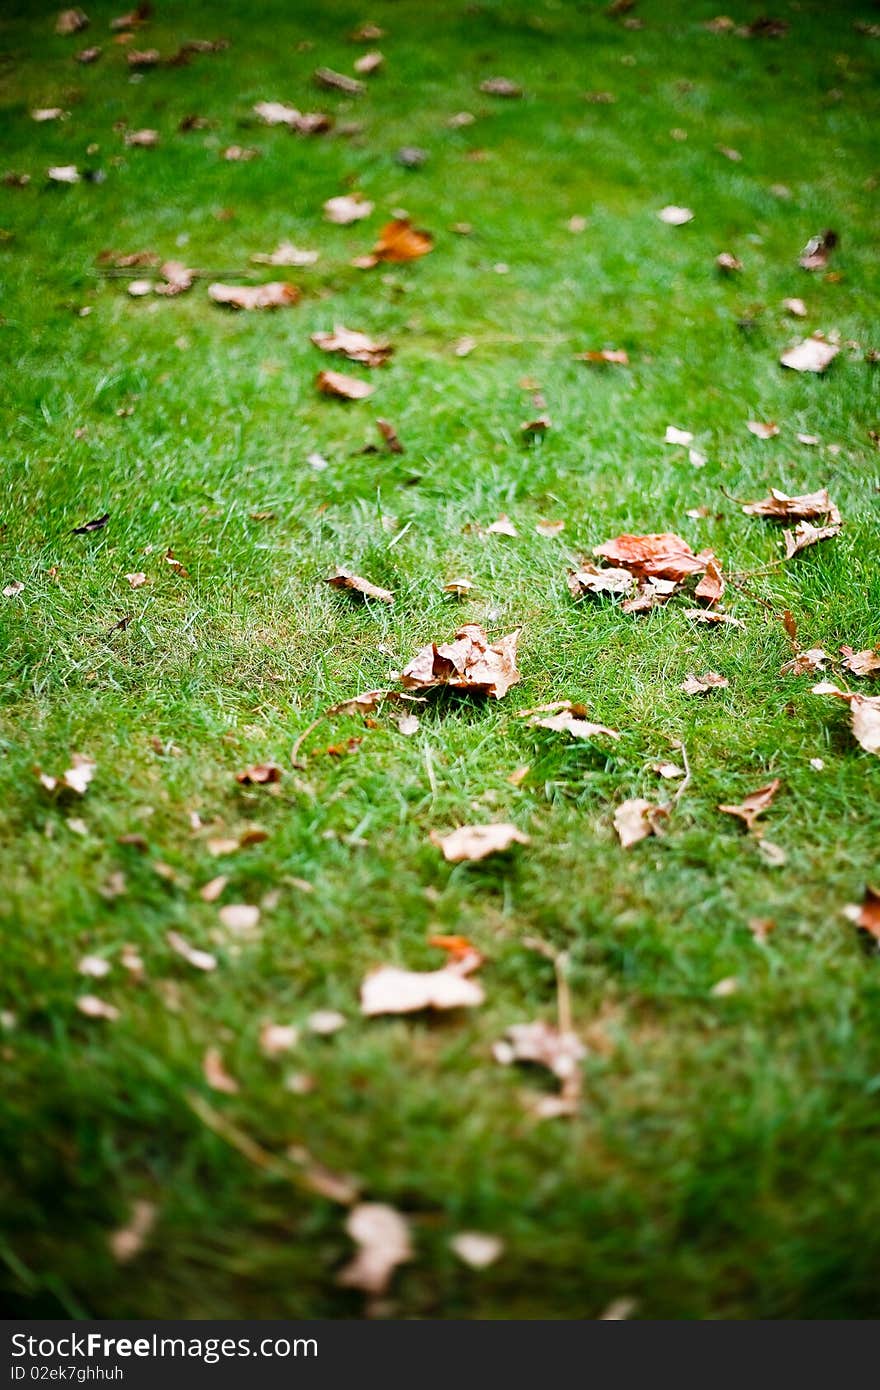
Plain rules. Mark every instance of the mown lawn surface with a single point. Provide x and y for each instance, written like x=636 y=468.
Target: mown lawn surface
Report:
x=723 y=1161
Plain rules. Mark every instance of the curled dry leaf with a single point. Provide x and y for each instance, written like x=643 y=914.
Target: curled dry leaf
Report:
x=675 y=216
x=96 y=524
x=500 y=87
x=343 y=579
x=338 y=82
x=75 y=779
x=143 y=57
x=864 y=714
x=542 y=1045
x=805 y=663
x=200 y=960
x=14 y=589
x=93 y=1007
x=866 y=915
x=658 y=556
x=762 y=430
x=369 y=63
x=137 y=579
x=286 y=253
x=274 y=295
x=754 y=805
x=808 y=504
x=392 y=990
x=348 y=207
x=590 y=579
x=805 y=535
x=796 y=307
x=210 y=891
x=277 y=113
x=215 y=1073
x=476 y=1248
x=550 y=529
x=472 y=842
x=129 y=1240
x=670 y=771
x=636 y=819
x=259 y=774
x=382 y=1237
x=71 y=22
x=864 y=663
x=369 y=701
x=714 y=619
x=701 y=685
x=398 y=241
x=142 y=139
x=813 y=354
x=566 y=717
x=711 y=586
x=345 y=388
x=502 y=527
x=728 y=263
x=389 y=434
x=356 y=346
x=242 y=154
x=470 y=662
x=277 y=1038
x=817 y=252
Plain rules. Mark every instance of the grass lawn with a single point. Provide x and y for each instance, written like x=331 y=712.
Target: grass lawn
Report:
x=723 y=1159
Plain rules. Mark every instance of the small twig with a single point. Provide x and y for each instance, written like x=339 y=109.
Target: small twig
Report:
x=687 y=772
x=295 y=760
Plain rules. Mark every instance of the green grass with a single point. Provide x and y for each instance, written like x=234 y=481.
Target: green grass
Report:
x=723 y=1163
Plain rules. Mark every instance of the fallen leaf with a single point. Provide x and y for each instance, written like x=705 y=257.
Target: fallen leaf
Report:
x=392 y=990
x=63 y=173
x=711 y=586
x=500 y=87
x=502 y=527
x=277 y=113
x=814 y=354
x=398 y=241
x=465 y=346
x=607 y=356
x=674 y=216
x=674 y=435
x=476 y=1248
x=71 y=22
x=470 y=662
x=533 y=428
x=805 y=663
x=382 y=1237
x=408 y=724
x=549 y=529
x=75 y=779
x=590 y=579
x=864 y=663
x=342 y=579
x=286 y=253
x=864 y=714
x=239 y=917
x=716 y=619
x=796 y=307
x=215 y=1073
x=274 y=295
x=817 y=252
x=356 y=346
x=259 y=774
x=540 y=1044
x=93 y=1007
x=49 y=113
x=277 y=1038
x=809 y=439
x=346 y=208
x=657 y=556
x=761 y=430
x=566 y=717
x=389 y=434
x=242 y=154
x=142 y=139
x=723 y=989
x=473 y=842
x=13 y=589
x=701 y=685
x=805 y=535
x=210 y=891
x=346 y=388
x=143 y=57
x=670 y=771
x=636 y=819
x=338 y=82
x=808 y=504
x=96 y=967
x=866 y=915
x=176 y=278
x=136 y=580
x=97 y=524
x=754 y=805
x=728 y=263
x=369 y=63
x=325 y=1022
x=129 y=1240
x=200 y=960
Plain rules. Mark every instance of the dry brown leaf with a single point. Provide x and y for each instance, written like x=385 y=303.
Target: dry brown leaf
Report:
x=343 y=579
x=715 y=619
x=392 y=990
x=346 y=208
x=356 y=346
x=669 y=771
x=817 y=252
x=136 y=580
x=566 y=717
x=274 y=295
x=473 y=842
x=215 y=1073
x=278 y=113
x=866 y=914
x=636 y=819
x=93 y=1007
x=470 y=662
x=143 y=57
x=338 y=82
x=675 y=216
x=176 y=278
x=728 y=263
x=142 y=139
x=389 y=434
x=542 y=1045
x=398 y=241
x=345 y=388
x=366 y=703
x=210 y=891
x=607 y=356
x=805 y=535
x=762 y=430
x=239 y=917
x=864 y=714
x=75 y=779
x=701 y=685
x=805 y=663
x=129 y=1240
x=657 y=556
x=779 y=504
x=590 y=579
x=383 y=1240
x=550 y=529
x=476 y=1248
x=325 y=1022
x=71 y=22
x=242 y=154
x=813 y=354
x=286 y=253
x=200 y=960
x=502 y=527
x=369 y=63
x=259 y=774
x=96 y=967
x=711 y=586
x=500 y=87
x=63 y=173
x=754 y=805
x=864 y=663
x=277 y=1038
x=533 y=428
x=49 y=113
x=796 y=307
x=650 y=593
